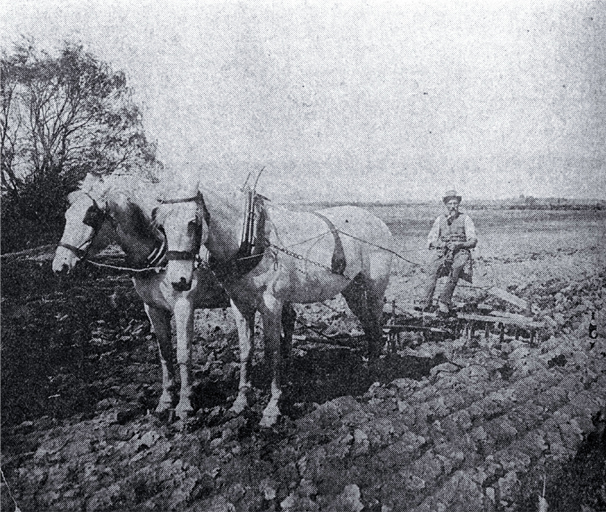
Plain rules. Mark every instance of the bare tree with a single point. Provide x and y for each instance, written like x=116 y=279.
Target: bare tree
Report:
x=66 y=115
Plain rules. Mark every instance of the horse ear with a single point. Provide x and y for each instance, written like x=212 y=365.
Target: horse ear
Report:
x=203 y=253
x=72 y=196
x=204 y=235
x=92 y=178
x=204 y=228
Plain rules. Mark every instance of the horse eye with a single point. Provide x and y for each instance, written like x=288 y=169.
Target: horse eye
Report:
x=93 y=217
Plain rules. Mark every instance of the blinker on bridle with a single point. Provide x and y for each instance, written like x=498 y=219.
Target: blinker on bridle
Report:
x=193 y=253
x=94 y=217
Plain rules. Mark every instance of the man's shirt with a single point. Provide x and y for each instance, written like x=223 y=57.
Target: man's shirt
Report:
x=434 y=234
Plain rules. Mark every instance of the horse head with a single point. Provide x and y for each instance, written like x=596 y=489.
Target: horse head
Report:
x=84 y=219
x=184 y=222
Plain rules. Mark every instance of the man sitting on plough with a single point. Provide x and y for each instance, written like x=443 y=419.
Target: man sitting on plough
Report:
x=450 y=240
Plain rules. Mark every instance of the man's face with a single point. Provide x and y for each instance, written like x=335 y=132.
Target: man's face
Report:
x=452 y=206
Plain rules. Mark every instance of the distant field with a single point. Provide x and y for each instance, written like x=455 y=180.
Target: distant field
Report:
x=517 y=229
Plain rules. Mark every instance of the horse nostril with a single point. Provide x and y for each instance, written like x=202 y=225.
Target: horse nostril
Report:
x=182 y=285
x=63 y=269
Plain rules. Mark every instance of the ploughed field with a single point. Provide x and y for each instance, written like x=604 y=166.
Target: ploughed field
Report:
x=450 y=424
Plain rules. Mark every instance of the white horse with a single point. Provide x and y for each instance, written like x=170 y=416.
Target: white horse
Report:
x=306 y=257
x=119 y=207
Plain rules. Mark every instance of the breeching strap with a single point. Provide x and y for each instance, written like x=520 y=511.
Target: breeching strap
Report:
x=338 y=262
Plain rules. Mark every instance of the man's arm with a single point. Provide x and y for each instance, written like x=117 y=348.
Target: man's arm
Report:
x=470 y=236
x=433 y=239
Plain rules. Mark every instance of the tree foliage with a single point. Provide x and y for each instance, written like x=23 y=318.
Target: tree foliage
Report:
x=63 y=115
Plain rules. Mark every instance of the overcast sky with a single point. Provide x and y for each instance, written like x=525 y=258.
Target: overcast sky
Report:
x=357 y=100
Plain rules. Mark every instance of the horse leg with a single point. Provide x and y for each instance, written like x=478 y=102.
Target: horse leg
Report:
x=271 y=313
x=160 y=322
x=368 y=307
x=374 y=328
x=184 y=322
x=245 y=321
x=289 y=317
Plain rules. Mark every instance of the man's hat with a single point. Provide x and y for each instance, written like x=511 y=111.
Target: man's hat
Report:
x=451 y=194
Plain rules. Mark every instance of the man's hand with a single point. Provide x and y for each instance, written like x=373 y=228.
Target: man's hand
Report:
x=438 y=245
x=455 y=246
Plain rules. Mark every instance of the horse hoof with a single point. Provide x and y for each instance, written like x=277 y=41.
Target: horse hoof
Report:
x=268 y=421
x=237 y=409
x=270 y=418
x=239 y=405
x=184 y=412
x=163 y=407
x=184 y=415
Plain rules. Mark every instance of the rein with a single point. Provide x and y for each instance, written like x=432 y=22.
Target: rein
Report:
x=78 y=251
x=156 y=269
x=155 y=261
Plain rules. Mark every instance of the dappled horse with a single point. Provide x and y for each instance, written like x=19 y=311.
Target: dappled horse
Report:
x=300 y=257
x=119 y=208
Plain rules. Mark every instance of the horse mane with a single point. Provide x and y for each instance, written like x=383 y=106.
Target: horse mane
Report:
x=143 y=225
x=179 y=186
x=141 y=195
x=137 y=189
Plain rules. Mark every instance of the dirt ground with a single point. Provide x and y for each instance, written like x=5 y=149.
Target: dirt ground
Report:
x=438 y=424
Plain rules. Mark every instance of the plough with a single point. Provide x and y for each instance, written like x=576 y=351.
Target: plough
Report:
x=466 y=320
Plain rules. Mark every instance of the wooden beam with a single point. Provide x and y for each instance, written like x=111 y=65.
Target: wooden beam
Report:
x=512 y=299
x=507 y=314
x=519 y=320
x=508 y=297
x=522 y=322
x=404 y=327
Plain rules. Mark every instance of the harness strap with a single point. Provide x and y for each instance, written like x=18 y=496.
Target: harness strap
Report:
x=179 y=200
x=252 y=245
x=158 y=253
x=197 y=197
x=80 y=253
x=180 y=255
x=338 y=262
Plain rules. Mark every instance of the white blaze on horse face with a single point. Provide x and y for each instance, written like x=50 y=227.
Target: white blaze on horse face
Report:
x=76 y=233
x=181 y=227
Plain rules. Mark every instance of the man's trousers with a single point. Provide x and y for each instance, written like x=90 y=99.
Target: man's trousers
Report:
x=439 y=265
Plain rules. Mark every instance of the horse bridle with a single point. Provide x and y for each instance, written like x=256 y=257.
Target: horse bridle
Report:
x=94 y=217
x=192 y=254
